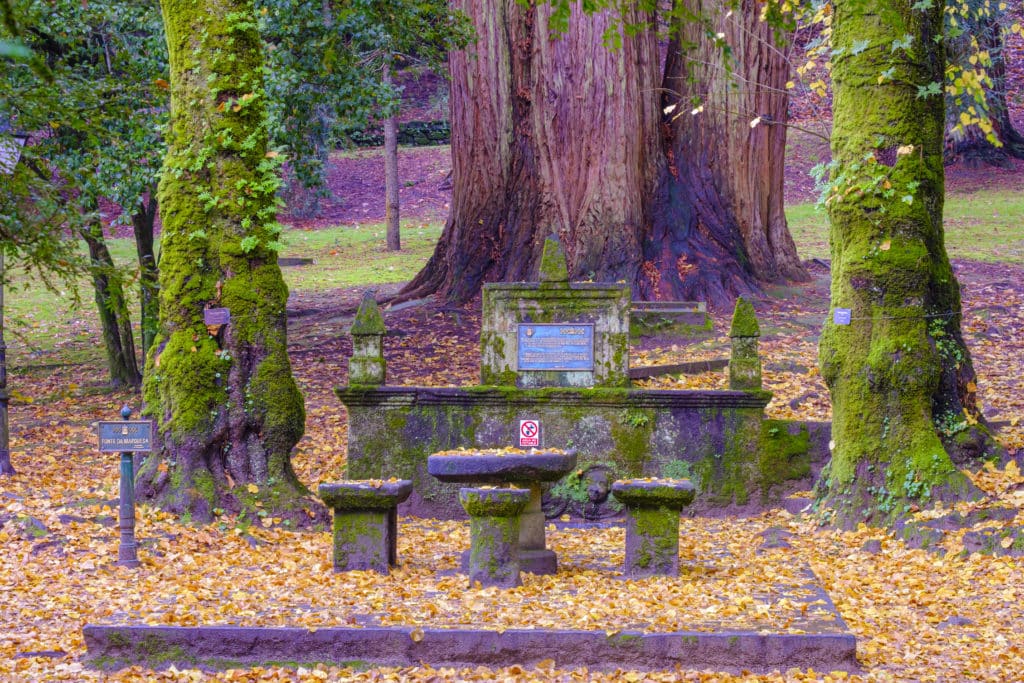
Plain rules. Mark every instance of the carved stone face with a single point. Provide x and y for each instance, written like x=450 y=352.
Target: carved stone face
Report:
x=598 y=485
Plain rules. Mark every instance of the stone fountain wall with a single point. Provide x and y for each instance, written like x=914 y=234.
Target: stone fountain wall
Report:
x=719 y=439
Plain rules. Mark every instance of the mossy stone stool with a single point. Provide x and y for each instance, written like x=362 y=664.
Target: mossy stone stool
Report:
x=652 y=523
x=365 y=522
x=494 y=534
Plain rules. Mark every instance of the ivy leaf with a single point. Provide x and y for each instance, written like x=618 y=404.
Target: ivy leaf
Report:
x=932 y=88
x=859 y=46
x=903 y=43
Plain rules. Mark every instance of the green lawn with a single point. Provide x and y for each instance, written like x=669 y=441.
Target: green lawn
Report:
x=984 y=226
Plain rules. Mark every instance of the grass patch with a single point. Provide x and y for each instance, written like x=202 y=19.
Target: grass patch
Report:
x=356 y=256
x=982 y=226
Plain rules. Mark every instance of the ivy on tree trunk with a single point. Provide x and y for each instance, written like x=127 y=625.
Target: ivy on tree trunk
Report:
x=227 y=407
x=904 y=401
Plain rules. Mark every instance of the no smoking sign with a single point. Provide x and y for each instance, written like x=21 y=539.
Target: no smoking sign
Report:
x=529 y=433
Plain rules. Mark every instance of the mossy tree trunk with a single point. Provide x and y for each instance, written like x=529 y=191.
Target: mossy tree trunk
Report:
x=903 y=394
x=227 y=407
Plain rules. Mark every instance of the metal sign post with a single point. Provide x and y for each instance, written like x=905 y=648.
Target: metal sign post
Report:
x=126 y=437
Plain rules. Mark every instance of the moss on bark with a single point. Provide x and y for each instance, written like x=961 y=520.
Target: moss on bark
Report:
x=887 y=372
x=228 y=409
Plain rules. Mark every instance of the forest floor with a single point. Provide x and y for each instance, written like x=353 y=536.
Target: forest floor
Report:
x=947 y=614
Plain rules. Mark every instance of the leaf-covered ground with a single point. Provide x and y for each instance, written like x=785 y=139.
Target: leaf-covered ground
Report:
x=917 y=615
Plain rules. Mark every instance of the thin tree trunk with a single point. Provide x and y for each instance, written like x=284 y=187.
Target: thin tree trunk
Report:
x=391 y=169
x=900 y=375
x=228 y=409
x=143 y=221
x=118 y=339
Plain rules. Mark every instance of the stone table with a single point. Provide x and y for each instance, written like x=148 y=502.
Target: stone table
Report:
x=365 y=522
x=652 y=523
x=523 y=470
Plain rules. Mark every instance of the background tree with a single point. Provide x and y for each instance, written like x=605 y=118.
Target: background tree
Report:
x=978 y=126
x=326 y=74
x=568 y=135
x=228 y=409
x=905 y=412
x=98 y=117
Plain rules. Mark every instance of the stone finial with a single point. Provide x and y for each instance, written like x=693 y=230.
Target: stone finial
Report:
x=744 y=320
x=745 y=363
x=367 y=363
x=553 y=268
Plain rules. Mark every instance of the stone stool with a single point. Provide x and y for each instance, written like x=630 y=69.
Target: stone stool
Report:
x=494 y=534
x=652 y=523
x=365 y=522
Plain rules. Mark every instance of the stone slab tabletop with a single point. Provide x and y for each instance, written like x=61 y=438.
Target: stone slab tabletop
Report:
x=367 y=494
x=672 y=493
x=488 y=468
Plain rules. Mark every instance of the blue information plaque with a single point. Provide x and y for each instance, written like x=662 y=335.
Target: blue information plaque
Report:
x=841 y=316
x=556 y=347
x=128 y=435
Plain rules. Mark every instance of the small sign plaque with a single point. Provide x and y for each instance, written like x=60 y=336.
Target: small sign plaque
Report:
x=529 y=433
x=216 y=316
x=841 y=316
x=556 y=347
x=125 y=435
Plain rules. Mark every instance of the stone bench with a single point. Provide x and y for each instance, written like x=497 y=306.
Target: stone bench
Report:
x=365 y=522
x=652 y=523
x=494 y=534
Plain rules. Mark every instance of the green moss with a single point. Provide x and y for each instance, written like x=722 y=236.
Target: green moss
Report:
x=744 y=320
x=368 y=318
x=631 y=435
x=553 y=267
x=781 y=456
x=630 y=640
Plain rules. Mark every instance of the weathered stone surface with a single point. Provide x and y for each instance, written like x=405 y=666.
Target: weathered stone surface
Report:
x=494 y=534
x=527 y=471
x=728 y=650
x=652 y=524
x=669 y=319
x=501 y=469
x=393 y=430
x=554 y=300
x=365 y=523
x=745 y=362
x=367 y=365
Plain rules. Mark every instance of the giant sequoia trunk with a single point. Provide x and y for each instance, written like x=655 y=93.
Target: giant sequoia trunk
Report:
x=549 y=136
x=227 y=407
x=565 y=136
x=902 y=384
x=735 y=169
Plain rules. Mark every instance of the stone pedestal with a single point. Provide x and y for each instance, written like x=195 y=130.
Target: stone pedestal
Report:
x=652 y=523
x=525 y=471
x=745 y=361
x=365 y=522
x=367 y=365
x=494 y=534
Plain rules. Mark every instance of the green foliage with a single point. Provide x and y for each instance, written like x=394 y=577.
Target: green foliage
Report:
x=95 y=113
x=324 y=66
